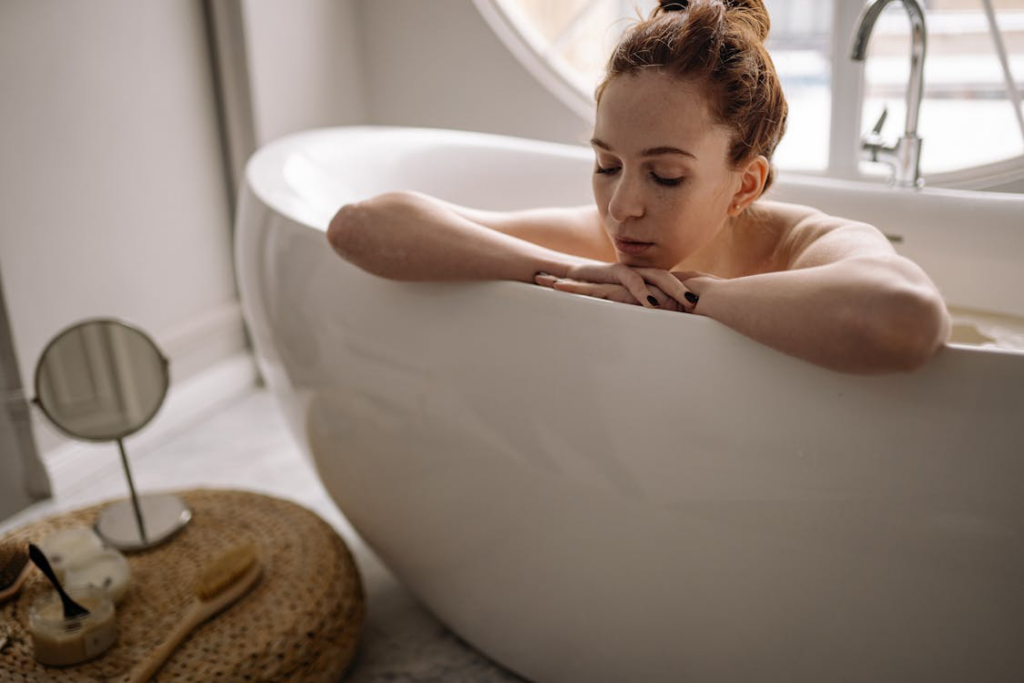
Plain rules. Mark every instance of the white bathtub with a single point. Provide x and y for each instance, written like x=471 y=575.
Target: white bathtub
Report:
x=588 y=491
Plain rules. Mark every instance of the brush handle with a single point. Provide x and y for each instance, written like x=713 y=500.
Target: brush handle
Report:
x=198 y=612
x=156 y=658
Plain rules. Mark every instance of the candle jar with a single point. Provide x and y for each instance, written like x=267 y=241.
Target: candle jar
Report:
x=69 y=547
x=107 y=570
x=64 y=642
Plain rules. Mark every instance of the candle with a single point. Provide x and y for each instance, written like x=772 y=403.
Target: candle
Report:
x=70 y=547
x=107 y=570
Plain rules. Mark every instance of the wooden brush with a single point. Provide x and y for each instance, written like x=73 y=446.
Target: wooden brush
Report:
x=14 y=568
x=221 y=583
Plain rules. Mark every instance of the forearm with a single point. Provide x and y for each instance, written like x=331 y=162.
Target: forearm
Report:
x=411 y=237
x=854 y=316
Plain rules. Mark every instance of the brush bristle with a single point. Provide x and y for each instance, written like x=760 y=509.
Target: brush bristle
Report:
x=225 y=570
x=13 y=567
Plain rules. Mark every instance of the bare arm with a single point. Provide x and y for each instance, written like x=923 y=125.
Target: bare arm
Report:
x=847 y=301
x=570 y=230
x=409 y=236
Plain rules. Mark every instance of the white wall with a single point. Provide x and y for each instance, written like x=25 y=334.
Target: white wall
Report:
x=111 y=179
x=438 y=64
x=304 y=63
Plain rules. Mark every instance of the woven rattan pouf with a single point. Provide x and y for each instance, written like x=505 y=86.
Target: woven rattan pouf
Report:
x=301 y=622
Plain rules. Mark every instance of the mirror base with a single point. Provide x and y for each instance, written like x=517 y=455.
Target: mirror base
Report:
x=163 y=516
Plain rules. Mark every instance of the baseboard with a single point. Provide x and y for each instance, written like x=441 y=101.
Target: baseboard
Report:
x=187 y=403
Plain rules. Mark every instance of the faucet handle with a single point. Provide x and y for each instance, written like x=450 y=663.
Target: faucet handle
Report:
x=877 y=130
x=872 y=142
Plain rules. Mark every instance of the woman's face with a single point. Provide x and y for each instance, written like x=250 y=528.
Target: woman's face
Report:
x=662 y=180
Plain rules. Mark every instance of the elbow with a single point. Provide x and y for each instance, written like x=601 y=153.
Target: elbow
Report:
x=345 y=233
x=359 y=231
x=913 y=326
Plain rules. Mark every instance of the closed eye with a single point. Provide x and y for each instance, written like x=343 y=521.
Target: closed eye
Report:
x=669 y=182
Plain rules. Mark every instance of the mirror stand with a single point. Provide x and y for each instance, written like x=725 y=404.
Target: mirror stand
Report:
x=102 y=380
x=141 y=522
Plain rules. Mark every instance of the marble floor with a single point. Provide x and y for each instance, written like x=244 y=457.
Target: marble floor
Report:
x=247 y=445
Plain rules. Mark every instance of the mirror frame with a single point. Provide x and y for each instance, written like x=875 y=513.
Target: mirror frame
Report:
x=165 y=371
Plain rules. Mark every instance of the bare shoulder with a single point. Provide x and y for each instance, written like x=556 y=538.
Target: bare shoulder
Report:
x=806 y=236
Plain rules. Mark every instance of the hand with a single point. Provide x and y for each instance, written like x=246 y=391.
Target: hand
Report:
x=684 y=287
x=674 y=291
x=697 y=284
x=608 y=291
x=622 y=276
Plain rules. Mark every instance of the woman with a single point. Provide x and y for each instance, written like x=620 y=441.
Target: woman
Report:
x=688 y=117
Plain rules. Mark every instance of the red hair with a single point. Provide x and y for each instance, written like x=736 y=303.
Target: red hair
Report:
x=719 y=44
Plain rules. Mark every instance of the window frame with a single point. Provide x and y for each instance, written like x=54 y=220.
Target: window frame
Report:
x=847 y=96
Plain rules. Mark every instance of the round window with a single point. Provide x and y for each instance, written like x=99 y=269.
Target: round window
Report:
x=968 y=121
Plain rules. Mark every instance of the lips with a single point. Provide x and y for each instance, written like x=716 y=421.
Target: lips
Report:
x=628 y=246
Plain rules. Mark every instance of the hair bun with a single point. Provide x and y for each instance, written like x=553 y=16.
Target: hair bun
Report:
x=753 y=13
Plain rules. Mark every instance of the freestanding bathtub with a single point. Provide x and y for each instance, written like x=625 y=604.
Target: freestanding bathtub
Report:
x=589 y=491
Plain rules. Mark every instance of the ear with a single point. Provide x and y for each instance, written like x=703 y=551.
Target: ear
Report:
x=752 y=178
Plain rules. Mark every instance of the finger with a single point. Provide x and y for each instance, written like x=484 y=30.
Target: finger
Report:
x=697 y=282
x=669 y=284
x=698 y=285
x=617 y=293
x=610 y=292
x=588 y=288
x=665 y=301
x=637 y=286
x=545 y=279
x=622 y=296
x=616 y=273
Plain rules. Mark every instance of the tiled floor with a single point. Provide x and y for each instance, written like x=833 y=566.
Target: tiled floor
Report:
x=247 y=445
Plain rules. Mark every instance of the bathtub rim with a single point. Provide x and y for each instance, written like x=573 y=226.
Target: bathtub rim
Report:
x=263 y=170
x=265 y=179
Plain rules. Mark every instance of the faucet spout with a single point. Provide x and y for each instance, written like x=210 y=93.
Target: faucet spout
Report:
x=865 y=25
x=906 y=153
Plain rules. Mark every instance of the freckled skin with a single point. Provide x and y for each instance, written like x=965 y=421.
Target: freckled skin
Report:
x=649 y=110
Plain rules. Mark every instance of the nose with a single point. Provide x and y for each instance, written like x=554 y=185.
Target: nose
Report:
x=626 y=201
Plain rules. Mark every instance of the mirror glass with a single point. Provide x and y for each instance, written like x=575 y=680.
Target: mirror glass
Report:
x=101 y=380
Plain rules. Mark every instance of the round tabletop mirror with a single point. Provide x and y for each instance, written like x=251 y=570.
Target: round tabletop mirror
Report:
x=102 y=380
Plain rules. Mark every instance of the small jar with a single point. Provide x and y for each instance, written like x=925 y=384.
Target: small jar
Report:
x=107 y=569
x=64 y=642
x=68 y=548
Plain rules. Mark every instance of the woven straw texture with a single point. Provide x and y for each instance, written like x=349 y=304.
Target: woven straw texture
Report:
x=301 y=622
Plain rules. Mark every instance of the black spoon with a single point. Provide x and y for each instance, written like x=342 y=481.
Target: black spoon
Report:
x=72 y=610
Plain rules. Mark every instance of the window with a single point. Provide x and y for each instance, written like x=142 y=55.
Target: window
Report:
x=968 y=123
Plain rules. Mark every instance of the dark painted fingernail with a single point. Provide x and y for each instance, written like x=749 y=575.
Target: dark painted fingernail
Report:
x=691 y=297
x=652 y=301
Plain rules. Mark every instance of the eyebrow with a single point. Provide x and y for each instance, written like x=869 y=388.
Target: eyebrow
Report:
x=651 y=152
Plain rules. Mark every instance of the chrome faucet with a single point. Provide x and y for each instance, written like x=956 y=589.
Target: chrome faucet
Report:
x=905 y=156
